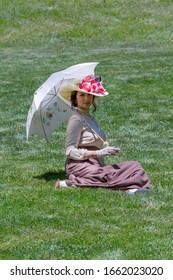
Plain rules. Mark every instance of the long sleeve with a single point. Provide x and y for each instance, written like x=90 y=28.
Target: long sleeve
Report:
x=74 y=130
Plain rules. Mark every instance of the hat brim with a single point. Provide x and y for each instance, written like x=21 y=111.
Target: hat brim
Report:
x=66 y=90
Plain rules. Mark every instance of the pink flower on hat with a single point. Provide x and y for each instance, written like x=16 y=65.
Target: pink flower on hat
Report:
x=91 y=84
x=85 y=86
x=88 y=78
x=94 y=87
x=101 y=90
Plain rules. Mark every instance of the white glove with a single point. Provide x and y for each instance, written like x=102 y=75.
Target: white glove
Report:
x=107 y=151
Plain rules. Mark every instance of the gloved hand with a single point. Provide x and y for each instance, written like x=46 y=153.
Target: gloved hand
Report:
x=107 y=151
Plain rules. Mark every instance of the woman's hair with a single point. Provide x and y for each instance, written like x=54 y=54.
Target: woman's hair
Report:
x=74 y=102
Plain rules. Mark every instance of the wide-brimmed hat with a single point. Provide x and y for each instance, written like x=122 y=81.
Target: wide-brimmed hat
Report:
x=90 y=84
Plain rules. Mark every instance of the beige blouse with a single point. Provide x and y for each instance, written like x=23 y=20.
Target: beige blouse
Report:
x=82 y=131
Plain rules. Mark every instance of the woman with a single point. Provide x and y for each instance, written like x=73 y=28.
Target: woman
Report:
x=85 y=149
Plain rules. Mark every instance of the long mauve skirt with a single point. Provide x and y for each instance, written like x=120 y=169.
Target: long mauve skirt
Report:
x=121 y=176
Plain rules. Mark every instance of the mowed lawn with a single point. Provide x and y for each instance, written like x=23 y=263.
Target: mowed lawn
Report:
x=132 y=40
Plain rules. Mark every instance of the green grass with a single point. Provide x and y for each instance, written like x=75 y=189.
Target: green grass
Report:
x=133 y=42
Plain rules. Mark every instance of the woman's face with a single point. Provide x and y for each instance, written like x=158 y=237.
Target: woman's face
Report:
x=84 y=101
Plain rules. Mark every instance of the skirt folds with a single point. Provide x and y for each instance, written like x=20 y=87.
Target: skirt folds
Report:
x=121 y=176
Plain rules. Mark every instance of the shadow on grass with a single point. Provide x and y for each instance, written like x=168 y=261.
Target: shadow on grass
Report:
x=49 y=176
